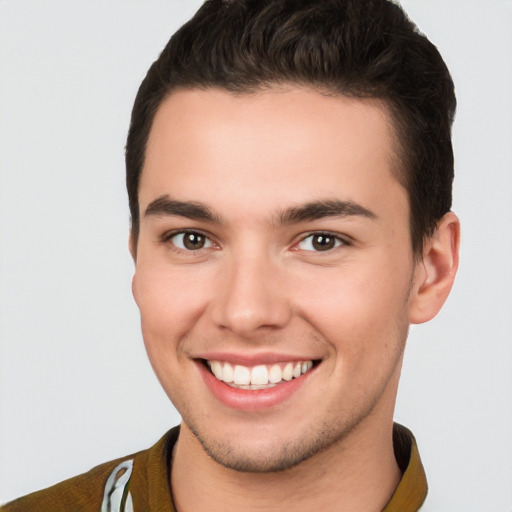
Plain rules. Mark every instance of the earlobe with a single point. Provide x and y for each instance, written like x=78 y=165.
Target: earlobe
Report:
x=436 y=271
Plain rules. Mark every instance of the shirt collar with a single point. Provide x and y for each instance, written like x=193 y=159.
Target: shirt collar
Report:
x=412 y=489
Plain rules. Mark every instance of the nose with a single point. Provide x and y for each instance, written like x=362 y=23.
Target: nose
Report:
x=251 y=296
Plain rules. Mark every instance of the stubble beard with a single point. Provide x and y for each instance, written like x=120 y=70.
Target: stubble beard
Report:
x=275 y=459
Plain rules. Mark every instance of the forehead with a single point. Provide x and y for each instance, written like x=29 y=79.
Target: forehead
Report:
x=288 y=143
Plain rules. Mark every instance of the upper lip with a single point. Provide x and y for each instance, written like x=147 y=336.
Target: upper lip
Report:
x=253 y=359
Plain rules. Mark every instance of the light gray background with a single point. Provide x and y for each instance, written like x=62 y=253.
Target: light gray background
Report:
x=76 y=387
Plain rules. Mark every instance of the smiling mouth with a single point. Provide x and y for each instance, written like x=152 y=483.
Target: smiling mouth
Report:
x=261 y=376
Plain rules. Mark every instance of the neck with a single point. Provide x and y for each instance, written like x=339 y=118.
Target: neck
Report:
x=359 y=473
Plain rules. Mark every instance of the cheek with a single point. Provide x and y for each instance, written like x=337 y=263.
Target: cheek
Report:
x=357 y=308
x=170 y=304
x=169 y=300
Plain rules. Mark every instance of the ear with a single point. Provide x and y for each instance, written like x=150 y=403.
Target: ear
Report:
x=132 y=245
x=435 y=272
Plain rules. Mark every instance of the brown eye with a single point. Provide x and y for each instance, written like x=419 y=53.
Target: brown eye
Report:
x=323 y=242
x=319 y=242
x=190 y=241
x=193 y=241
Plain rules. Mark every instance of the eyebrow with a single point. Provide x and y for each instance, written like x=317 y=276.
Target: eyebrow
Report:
x=322 y=209
x=165 y=206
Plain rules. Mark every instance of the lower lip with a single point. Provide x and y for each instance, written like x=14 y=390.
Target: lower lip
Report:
x=251 y=399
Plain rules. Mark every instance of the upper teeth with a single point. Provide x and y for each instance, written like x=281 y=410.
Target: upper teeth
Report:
x=261 y=375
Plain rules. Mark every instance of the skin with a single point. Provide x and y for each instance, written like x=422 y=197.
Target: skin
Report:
x=259 y=286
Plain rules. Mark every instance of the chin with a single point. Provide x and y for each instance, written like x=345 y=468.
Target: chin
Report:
x=271 y=455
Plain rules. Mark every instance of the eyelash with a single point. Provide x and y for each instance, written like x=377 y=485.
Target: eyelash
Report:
x=338 y=240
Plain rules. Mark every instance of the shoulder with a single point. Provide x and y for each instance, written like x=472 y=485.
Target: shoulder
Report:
x=80 y=493
x=85 y=492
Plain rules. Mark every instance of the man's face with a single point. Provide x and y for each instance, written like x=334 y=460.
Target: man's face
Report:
x=273 y=238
